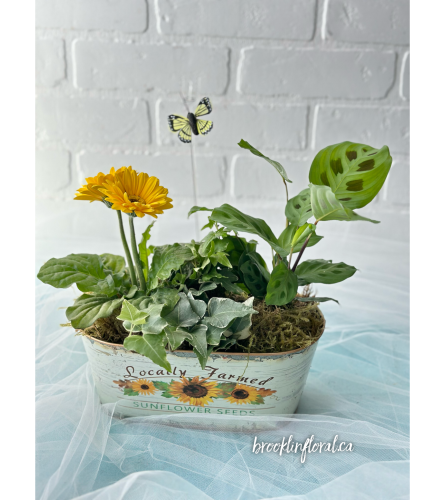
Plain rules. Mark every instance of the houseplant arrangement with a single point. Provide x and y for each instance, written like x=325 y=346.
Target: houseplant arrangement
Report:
x=215 y=300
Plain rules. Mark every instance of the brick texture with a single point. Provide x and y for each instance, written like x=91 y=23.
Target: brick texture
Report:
x=316 y=73
x=280 y=19
x=120 y=66
x=129 y=16
x=289 y=76
x=364 y=21
x=50 y=62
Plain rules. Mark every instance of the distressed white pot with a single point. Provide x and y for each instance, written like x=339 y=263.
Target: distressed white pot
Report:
x=268 y=384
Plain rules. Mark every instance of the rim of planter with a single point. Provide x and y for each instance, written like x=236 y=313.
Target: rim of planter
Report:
x=218 y=353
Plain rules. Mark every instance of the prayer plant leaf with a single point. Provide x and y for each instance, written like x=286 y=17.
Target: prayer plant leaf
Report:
x=84 y=269
x=88 y=308
x=282 y=287
x=182 y=314
x=234 y=220
x=279 y=168
x=198 y=209
x=223 y=311
x=315 y=299
x=115 y=263
x=132 y=314
x=144 y=251
x=298 y=209
x=253 y=278
x=355 y=172
x=176 y=337
x=325 y=206
x=166 y=259
x=323 y=271
x=151 y=346
x=199 y=343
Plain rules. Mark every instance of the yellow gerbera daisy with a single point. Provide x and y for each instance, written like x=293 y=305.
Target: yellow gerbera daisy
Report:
x=144 y=387
x=243 y=394
x=196 y=392
x=90 y=191
x=136 y=193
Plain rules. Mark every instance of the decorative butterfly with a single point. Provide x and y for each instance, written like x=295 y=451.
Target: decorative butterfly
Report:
x=186 y=126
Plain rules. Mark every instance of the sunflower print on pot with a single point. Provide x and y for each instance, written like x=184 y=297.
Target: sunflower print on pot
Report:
x=143 y=387
x=194 y=391
x=243 y=394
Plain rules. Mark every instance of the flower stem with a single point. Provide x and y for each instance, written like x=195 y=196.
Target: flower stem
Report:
x=126 y=249
x=136 y=257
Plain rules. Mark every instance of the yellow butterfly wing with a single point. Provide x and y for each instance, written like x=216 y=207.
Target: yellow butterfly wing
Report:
x=185 y=134
x=177 y=122
x=204 y=126
x=204 y=107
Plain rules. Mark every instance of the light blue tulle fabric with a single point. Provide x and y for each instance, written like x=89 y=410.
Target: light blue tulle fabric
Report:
x=357 y=389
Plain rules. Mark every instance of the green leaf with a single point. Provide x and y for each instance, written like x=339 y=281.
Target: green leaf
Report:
x=206 y=248
x=298 y=209
x=182 y=314
x=130 y=392
x=323 y=271
x=145 y=251
x=226 y=389
x=151 y=346
x=253 y=278
x=355 y=172
x=325 y=206
x=292 y=236
x=161 y=386
x=166 y=259
x=226 y=278
x=315 y=299
x=223 y=311
x=205 y=287
x=176 y=337
x=84 y=269
x=115 y=263
x=234 y=220
x=199 y=343
x=279 y=168
x=131 y=292
x=282 y=287
x=132 y=314
x=168 y=297
x=199 y=306
x=220 y=258
x=88 y=308
x=239 y=328
x=213 y=333
x=198 y=209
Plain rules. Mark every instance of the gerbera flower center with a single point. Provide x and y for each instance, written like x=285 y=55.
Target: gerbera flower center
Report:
x=195 y=391
x=134 y=198
x=240 y=394
x=145 y=387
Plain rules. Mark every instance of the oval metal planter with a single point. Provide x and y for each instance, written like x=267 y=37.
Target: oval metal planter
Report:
x=232 y=384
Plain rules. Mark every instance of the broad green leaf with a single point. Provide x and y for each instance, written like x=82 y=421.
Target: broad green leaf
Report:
x=282 y=287
x=84 y=269
x=176 y=337
x=206 y=248
x=198 y=209
x=88 y=308
x=223 y=311
x=298 y=209
x=115 y=263
x=234 y=220
x=132 y=314
x=199 y=343
x=151 y=346
x=279 y=168
x=253 y=278
x=144 y=251
x=166 y=259
x=355 y=172
x=323 y=271
x=199 y=306
x=315 y=299
x=325 y=206
x=182 y=314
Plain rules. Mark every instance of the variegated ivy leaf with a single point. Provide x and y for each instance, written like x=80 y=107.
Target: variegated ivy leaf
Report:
x=223 y=311
x=154 y=323
x=182 y=314
x=355 y=172
x=199 y=306
x=199 y=342
x=326 y=206
x=239 y=329
x=176 y=336
x=132 y=315
x=213 y=333
x=151 y=346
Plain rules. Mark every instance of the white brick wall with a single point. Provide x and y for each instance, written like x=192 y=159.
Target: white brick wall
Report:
x=289 y=76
